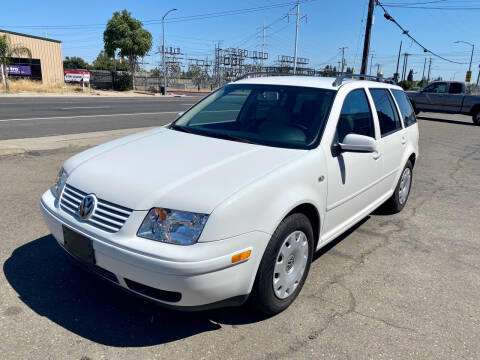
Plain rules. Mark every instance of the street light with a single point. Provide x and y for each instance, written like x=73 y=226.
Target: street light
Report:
x=163 y=52
x=473 y=48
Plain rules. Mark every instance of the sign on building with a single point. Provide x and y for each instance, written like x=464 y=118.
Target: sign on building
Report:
x=21 y=70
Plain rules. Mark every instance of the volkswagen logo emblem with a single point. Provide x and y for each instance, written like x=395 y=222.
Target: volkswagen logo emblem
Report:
x=87 y=206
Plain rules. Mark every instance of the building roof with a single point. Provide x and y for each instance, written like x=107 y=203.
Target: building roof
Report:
x=30 y=36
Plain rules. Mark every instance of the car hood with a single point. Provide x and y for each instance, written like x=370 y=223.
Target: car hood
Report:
x=172 y=169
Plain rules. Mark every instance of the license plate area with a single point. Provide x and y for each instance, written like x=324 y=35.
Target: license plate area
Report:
x=78 y=245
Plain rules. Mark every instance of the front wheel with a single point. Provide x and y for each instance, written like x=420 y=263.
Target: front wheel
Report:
x=284 y=266
x=400 y=196
x=476 y=117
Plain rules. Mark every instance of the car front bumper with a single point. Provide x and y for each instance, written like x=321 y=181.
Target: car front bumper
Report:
x=202 y=273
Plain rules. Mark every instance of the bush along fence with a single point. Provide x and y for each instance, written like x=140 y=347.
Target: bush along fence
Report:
x=122 y=81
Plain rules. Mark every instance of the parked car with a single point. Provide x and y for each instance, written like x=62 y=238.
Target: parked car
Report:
x=450 y=97
x=232 y=199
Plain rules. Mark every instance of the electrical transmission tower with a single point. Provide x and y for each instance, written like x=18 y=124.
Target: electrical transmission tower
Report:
x=298 y=18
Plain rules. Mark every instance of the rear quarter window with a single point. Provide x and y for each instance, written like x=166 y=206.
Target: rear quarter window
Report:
x=406 y=109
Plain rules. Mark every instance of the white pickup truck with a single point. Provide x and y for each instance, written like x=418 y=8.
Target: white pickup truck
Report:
x=451 y=97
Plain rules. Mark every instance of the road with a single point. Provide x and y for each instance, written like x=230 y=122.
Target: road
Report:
x=26 y=117
x=394 y=287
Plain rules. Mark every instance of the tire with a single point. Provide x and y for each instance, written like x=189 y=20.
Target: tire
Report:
x=476 y=116
x=278 y=258
x=399 y=198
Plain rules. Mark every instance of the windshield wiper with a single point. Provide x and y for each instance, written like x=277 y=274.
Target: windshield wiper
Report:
x=231 y=137
x=212 y=134
x=181 y=128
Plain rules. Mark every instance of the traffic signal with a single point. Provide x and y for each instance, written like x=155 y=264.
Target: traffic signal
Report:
x=468 y=77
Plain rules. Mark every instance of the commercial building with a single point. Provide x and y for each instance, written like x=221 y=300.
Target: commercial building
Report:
x=46 y=63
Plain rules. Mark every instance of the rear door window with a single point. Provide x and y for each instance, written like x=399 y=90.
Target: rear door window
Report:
x=388 y=118
x=455 y=88
x=407 y=112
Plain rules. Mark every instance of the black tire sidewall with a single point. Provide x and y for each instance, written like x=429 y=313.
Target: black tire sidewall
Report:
x=474 y=118
x=263 y=296
x=396 y=205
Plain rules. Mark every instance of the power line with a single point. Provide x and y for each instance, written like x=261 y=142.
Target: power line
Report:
x=173 y=19
x=406 y=32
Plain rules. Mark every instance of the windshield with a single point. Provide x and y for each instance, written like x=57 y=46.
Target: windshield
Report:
x=272 y=115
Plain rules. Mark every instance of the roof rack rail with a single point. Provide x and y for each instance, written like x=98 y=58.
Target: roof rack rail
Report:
x=266 y=73
x=338 y=81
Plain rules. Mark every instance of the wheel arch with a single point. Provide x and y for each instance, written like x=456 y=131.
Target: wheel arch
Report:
x=412 y=159
x=474 y=109
x=313 y=215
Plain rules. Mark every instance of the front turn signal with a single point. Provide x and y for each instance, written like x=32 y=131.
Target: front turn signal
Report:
x=241 y=256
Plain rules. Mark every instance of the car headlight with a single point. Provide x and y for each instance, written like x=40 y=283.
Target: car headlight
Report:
x=57 y=188
x=172 y=226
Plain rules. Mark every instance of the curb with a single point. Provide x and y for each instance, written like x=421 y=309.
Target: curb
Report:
x=21 y=146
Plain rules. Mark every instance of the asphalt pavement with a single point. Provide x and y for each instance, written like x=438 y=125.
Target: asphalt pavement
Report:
x=27 y=117
x=394 y=287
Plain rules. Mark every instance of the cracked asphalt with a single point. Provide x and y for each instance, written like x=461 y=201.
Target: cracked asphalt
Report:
x=393 y=287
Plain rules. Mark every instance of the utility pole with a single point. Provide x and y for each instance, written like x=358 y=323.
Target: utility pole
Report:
x=368 y=30
x=378 y=68
x=398 y=59
x=163 y=52
x=405 y=63
x=343 y=59
x=263 y=42
x=429 y=68
x=298 y=17
x=424 y=64
x=478 y=78
x=371 y=61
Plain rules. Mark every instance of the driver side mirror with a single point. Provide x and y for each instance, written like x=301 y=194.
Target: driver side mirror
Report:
x=358 y=143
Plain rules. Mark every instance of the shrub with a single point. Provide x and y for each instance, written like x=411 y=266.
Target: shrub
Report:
x=123 y=82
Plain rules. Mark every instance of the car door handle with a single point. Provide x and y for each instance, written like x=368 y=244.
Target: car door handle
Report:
x=376 y=155
x=404 y=140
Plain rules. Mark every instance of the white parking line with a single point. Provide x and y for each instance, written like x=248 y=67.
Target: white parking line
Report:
x=89 y=116
x=86 y=107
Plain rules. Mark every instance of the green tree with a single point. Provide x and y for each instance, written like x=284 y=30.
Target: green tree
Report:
x=410 y=75
x=75 y=62
x=126 y=34
x=7 y=51
x=422 y=83
x=105 y=62
x=196 y=73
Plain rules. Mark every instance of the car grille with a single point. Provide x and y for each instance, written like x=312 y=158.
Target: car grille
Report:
x=107 y=216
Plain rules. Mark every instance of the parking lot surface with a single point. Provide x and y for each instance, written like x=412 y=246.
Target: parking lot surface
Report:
x=394 y=287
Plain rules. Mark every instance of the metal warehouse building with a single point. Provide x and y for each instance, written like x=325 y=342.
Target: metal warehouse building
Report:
x=46 y=63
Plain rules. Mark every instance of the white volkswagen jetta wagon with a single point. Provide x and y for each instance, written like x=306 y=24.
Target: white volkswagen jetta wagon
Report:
x=232 y=199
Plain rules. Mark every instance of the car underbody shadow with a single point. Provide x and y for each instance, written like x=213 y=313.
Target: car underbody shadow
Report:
x=339 y=239
x=53 y=286
x=446 y=121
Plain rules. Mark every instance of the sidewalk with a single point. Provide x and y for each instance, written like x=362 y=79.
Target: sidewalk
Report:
x=90 y=139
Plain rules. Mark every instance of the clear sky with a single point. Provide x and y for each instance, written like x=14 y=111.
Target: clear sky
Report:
x=329 y=26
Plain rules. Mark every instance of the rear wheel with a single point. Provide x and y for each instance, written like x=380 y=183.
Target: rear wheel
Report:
x=476 y=117
x=400 y=196
x=284 y=266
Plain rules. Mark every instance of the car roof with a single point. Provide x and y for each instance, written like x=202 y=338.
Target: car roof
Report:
x=313 y=81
